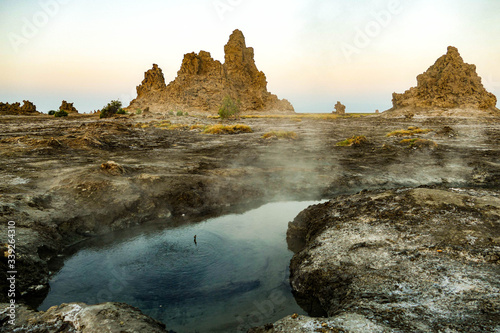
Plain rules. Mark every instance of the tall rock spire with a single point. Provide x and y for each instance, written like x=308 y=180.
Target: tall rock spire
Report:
x=202 y=82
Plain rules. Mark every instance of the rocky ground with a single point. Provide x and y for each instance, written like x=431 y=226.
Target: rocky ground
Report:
x=406 y=260
x=58 y=184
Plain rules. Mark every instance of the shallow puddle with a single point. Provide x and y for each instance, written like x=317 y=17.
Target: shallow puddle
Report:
x=234 y=277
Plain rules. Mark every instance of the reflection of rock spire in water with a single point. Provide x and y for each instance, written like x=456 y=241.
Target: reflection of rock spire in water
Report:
x=195 y=240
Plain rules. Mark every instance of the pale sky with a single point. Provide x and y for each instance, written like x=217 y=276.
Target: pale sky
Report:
x=313 y=52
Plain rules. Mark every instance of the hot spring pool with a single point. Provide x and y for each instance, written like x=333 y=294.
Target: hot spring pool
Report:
x=234 y=277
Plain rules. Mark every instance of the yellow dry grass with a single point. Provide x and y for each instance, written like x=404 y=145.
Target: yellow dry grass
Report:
x=197 y=127
x=227 y=129
x=412 y=130
x=280 y=135
x=176 y=127
x=163 y=124
x=356 y=140
x=418 y=143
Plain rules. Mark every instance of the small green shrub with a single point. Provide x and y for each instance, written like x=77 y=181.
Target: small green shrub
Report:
x=61 y=113
x=180 y=113
x=229 y=108
x=121 y=111
x=52 y=112
x=138 y=111
x=111 y=109
x=170 y=113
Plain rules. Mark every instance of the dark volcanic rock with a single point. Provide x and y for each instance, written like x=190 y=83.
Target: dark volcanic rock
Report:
x=202 y=83
x=448 y=84
x=412 y=260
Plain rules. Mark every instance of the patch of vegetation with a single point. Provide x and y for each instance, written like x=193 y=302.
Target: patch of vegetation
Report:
x=180 y=113
x=197 y=127
x=230 y=108
x=165 y=123
x=138 y=111
x=121 y=111
x=52 y=112
x=227 y=129
x=111 y=109
x=412 y=130
x=61 y=113
x=171 y=113
x=177 y=127
x=141 y=125
x=280 y=135
x=356 y=140
x=417 y=143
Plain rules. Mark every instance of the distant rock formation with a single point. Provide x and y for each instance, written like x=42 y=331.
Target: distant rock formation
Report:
x=202 y=83
x=68 y=107
x=27 y=109
x=339 y=108
x=448 y=84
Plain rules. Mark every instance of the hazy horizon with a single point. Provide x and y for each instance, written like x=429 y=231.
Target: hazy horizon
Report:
x=314 y=53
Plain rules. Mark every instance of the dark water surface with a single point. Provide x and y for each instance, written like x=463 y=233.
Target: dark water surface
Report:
x=234 y=278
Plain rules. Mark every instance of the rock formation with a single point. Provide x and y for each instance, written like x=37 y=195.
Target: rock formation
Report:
x=152 y=87
x=202 y=83
x=339 y=108
x=448 y=84
x=68 y=107
x=27 y=109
